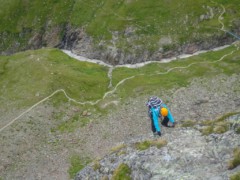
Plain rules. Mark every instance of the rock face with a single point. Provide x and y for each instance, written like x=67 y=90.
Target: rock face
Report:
x=188 y=155
x=80 y=43
x=130 y=52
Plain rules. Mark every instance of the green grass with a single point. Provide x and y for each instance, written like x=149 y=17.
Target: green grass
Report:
x=17 y=15
x=30 y=76
x=122 y=172
x=77 y=163
x=72 y=124
x=236 y=159
x=147 y=79
x=219 y=126
x=148 y=143
x=152 y=20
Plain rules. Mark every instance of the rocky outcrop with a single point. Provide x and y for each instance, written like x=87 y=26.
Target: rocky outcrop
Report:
x=78 y=41
x=109 y=51
x=188 y=155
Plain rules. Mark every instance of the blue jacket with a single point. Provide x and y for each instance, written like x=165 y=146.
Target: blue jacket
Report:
x=156 y=114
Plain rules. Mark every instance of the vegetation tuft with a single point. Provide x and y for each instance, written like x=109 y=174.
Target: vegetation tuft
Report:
x=235 y=176
x=188 y=123
x=77 y=163
x=96 y=165
x=118 y=148
x=147 y=144
x=122 y=172
x=217 y=126
x=236 y=159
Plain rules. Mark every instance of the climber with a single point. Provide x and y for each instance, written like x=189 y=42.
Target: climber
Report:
x=157 y=109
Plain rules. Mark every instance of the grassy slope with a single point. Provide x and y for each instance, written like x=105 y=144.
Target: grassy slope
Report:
x=178 y=77
x=30 y=76
x=19 y=20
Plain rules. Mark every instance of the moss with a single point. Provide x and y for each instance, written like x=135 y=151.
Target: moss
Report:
x=236 y=159
x=235 y=176
x=122 y=172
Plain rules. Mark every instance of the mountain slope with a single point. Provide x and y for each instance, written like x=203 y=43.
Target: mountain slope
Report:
x=43 y=140
x=187 y=155
x=58 y=114
x=123 y=32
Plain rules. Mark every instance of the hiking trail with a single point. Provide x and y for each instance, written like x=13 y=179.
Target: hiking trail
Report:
x=122 y=81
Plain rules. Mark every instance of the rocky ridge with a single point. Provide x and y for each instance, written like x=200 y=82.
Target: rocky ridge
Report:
x=188 y=155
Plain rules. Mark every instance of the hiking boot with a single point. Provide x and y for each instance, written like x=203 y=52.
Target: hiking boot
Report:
x=165 y=124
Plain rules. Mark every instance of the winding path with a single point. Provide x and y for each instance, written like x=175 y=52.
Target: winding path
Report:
x=122 y=81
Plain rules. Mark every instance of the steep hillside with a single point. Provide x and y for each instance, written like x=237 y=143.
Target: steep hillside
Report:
x=182 y=153
x=126 y=31
x=58 y=114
